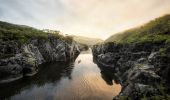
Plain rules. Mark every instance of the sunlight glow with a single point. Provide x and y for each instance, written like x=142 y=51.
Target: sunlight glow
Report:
x=93 y=18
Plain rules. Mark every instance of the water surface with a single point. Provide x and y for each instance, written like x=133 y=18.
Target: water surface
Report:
x=82 y=80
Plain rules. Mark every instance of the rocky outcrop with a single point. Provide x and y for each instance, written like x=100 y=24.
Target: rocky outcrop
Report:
x=142 y=69
x=22 y=59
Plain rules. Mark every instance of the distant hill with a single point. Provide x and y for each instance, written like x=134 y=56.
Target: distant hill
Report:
x=23 y=33
x=86 y=40
x=155 y=30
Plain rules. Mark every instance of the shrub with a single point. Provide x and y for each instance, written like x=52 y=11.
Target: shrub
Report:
x=22 y=33
x=157 y=30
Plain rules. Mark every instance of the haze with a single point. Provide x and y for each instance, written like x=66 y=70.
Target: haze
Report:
x=92 y=18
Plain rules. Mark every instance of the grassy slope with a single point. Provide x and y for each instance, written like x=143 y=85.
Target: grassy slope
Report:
x=22 y=33
x=86 y=40
x=155 y=31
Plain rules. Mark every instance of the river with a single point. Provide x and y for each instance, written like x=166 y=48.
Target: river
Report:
x=81 y=80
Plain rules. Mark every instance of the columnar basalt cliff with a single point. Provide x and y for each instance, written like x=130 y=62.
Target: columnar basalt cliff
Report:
x=22 y=58
x=141 y=64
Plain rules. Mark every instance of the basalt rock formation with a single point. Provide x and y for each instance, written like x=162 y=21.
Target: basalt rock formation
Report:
x=23 y=49
x=23 y=59
x=142 y=69
x=139 y=60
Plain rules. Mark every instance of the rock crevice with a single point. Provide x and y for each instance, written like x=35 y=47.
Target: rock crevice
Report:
x=142 y=69
x=18 y=60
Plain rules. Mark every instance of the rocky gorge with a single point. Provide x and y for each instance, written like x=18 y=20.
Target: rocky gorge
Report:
x=142 y=69
x=137 y=59
x=20 y=60
x=140 y=61
x=23 y=49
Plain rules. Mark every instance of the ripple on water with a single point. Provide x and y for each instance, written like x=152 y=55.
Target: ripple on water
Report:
x=61 y=81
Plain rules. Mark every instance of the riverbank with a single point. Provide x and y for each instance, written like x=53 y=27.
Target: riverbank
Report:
x=23 y=49
x=142 y=72
x=139 y=59
x=64 y=81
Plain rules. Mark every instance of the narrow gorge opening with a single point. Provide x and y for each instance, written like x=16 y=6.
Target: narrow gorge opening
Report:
x=45 y=55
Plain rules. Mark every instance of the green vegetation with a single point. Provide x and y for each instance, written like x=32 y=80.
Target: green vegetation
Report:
x=157 y=30
x=157 y=97
x=157 y=93
x=23 y=33
x=162 y=51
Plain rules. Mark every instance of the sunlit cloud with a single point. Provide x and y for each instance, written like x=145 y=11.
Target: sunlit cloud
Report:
x=93 y=18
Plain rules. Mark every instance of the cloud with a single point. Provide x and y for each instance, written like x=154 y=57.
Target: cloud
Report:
x=31 y=12
x=105 y=17
x=95 y=18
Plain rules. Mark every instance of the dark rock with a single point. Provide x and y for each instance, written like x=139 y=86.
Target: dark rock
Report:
x=141 y=68
x=17 y=60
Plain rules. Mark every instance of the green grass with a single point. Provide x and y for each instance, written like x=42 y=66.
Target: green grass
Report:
x=162 y=51
x=22 y=33
x=157 y=30
x=142 y=38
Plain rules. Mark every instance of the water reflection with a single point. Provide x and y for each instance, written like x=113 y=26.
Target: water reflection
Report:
x=108 y=75
x=48 y=73
x=64 y=81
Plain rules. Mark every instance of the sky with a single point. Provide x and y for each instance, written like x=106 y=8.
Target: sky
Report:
x=91 y=18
